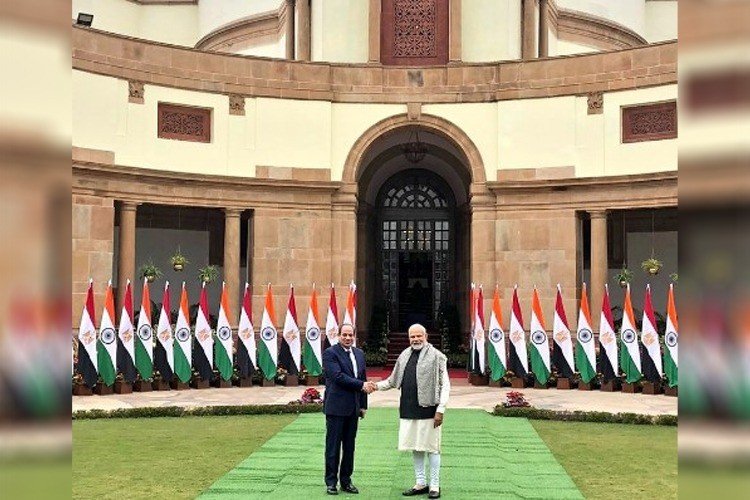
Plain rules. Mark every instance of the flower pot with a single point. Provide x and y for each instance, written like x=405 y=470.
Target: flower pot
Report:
x=631 y=388
x=178 y=267
x=160 y=385
x=610 y=386
x=653 y=271
x=478 y=379
x=122 y=387
x=652 y=388
x=623 y=283
x=564 y=383
x=310 y=380
x=244 y=382
x=142 y=386
x=82 y=390
x=517 y=383
x=150 y=278
x=290 y=380
x=102 y=389
x=583 y=386
x=220 y=383
x=199 y=383
x=178 y=385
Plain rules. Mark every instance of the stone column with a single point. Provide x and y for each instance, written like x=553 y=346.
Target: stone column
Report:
x=543 y=28
x=232 y=260
x=126 y=249
x=599 y=265
x=290 y=29
x=303 y=18
x=454 y=31
x=528 y=29
x=374 y=34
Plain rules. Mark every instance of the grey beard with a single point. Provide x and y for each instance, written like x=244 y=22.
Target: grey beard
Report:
x=417 y=347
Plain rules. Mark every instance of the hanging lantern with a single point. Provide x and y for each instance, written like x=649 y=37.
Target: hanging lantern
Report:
x=414 y=150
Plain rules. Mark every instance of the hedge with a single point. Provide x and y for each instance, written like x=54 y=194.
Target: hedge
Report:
x=585 y=416
x=200 y=411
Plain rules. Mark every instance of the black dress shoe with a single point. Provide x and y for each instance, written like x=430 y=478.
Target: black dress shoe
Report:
x=413 y=491
x=434 y=494
x=331 y=490
x=350 y=488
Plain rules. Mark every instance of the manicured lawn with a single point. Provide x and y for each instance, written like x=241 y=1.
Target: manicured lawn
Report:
x=615 y=461
x=163 y=457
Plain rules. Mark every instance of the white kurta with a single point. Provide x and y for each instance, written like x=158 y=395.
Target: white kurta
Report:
x=421 y=434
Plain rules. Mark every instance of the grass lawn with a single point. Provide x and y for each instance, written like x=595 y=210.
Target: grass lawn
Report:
x=615 y=460
x=163 y=457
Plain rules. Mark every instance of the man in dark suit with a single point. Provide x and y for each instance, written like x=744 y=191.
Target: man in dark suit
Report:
x=345 y=401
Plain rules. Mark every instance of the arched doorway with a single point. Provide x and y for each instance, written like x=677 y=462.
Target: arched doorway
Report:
x=414 y=224
x=415 y=214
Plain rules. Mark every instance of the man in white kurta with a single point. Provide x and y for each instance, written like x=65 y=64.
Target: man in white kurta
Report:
x=421 y=372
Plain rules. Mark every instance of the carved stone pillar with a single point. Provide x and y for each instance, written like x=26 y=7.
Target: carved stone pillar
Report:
x=454 y=31
x=126 y=249
x=374 y=28
x=543 y=28
x=289 y=29
x=528 y=29
x=303 y=18
x=599 y=266
x=232 y=260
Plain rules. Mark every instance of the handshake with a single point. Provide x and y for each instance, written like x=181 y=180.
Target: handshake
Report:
x=369 y=387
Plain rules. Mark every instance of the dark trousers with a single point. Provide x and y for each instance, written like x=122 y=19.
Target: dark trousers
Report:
x=340 y=435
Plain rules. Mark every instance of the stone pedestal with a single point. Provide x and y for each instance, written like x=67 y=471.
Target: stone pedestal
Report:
x=670 y=391
x=267 y=383
x=102 y=389
x=564 y=383
x=142 y=386
x=122 y=387
x=583 y=386
x=291 y=380
x=611 y=386
x=82 y=390
x=160 y=385
x=517 y=383
x=652 y=388
x=478 y=379
x=631 y=388
x=199 y=383
x=244 y=382
x=310 y=381
x=220 y=383
x=178 y=385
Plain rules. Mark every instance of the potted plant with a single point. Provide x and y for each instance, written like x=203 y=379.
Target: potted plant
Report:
x=651 y=266
x=624 y=277
x=208 y=274
x=149 y=271
x=178 y=260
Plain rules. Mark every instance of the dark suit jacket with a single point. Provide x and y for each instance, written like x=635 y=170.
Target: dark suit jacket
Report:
x=344 y=396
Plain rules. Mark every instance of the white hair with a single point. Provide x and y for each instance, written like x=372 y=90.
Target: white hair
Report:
x=417 y=326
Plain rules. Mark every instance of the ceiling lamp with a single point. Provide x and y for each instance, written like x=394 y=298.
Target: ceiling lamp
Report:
x=414 y=150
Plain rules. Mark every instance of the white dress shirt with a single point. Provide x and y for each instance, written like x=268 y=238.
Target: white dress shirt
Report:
x=353 y=360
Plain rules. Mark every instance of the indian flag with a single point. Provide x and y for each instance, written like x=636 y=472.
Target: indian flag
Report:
x=311 y=353
x=106 y=347
x=497 y=339
x=246 y=350
x=517 y=355
x=540 y=362
x=291 y=346
x=562 y=345
x=608 y=341
x=671 y=339
x=478 y=333
x=268 y=348
x=126 y=340
x=203 y=354
x=183 y=346
x=87 y=358
x=164 y=353
x=350 y=314
x=223 y=349
x=630 y=353
x=652 y=368
x=471 y=364
x=585 y=350
x=332 y=322
x=144 y=344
